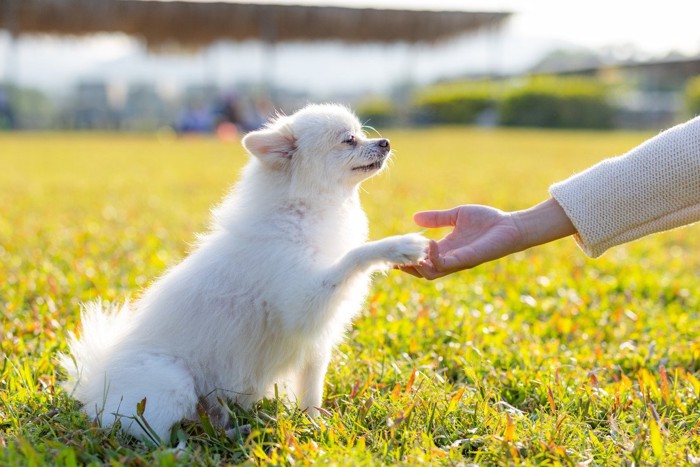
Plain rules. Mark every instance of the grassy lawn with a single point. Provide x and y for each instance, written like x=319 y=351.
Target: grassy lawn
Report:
x=543 y=357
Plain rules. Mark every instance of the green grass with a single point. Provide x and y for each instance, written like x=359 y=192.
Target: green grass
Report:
x=545 y=357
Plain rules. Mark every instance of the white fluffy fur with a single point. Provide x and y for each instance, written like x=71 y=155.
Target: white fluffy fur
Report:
x=263 y=297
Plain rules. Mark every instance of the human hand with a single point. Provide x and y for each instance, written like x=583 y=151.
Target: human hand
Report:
x=480 y=234
x=483 y=233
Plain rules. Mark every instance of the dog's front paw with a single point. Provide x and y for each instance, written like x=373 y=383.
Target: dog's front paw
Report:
x=406 y=249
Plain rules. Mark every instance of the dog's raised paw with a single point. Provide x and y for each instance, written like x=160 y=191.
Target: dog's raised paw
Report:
x=407 y=249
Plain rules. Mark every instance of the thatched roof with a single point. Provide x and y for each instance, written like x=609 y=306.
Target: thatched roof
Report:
x=197 y=23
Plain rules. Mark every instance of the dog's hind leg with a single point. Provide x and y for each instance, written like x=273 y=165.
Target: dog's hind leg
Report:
x=164 y=383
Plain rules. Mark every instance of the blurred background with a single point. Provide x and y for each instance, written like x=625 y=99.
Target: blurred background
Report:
x=199 y=66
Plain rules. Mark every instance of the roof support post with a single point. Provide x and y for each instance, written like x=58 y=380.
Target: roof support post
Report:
x=11 y=25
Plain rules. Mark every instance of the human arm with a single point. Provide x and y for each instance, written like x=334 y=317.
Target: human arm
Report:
x=651 y=188
x=654 y=187
x=483 y=233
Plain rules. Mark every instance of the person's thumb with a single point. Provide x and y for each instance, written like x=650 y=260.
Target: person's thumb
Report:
x=432 y=219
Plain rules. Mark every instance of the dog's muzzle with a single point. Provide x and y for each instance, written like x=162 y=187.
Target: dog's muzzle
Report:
x=380 y=149
x=377 y=153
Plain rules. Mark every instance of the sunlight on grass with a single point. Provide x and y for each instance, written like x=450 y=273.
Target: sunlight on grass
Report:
x=543 y=357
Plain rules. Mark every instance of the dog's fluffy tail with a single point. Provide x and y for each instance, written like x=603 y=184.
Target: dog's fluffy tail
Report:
x=88 y=355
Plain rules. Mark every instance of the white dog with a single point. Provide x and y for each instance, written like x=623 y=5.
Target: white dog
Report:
x=264 y=296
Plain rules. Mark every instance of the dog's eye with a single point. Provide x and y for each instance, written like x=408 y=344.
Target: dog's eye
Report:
x=350 y=140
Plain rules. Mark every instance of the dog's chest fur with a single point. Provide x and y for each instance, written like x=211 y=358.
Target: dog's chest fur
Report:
x=326 y=232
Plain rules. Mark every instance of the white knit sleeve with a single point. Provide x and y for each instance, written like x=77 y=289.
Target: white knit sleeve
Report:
x=654 y=187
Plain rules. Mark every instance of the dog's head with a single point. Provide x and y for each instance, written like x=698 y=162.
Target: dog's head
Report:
x=319 y=144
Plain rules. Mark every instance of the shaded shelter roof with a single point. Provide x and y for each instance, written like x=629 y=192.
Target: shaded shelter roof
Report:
x=199 y=23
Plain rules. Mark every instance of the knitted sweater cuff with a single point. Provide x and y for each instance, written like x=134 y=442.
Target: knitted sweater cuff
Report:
x=654 y=187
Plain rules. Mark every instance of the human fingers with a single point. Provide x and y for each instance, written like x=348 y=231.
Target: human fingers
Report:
x=431 y=267
x=410 y=270
x=422 y=266
x=427 y=270
x=441 y=263
x=458 y=259
x=432 y=219
x=435 y=266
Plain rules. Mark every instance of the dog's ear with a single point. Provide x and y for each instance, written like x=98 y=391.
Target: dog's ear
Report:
x=274 y=146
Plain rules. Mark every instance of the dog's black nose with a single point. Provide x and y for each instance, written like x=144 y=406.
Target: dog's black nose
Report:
x=384 y=143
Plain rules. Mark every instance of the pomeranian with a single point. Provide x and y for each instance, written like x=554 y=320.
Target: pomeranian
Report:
x=263 y=297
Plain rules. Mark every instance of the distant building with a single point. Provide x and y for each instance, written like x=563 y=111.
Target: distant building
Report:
x=89 y=107
x=7 y=114
x=144 y=109
x=647 y=94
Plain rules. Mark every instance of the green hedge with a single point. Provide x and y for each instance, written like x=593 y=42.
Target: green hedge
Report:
x=549 y=102
x=31 y=108
x=692 y=96
x=557 y=103
x=453 y=102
